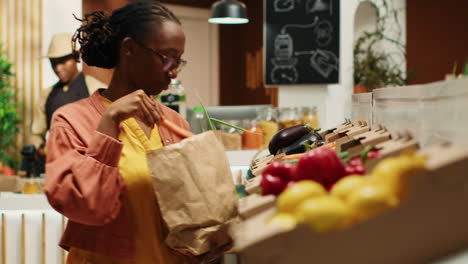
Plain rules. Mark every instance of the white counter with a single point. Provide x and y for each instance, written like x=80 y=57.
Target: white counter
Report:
x=30 y=229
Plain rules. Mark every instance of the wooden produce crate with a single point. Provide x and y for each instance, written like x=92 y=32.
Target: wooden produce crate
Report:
x=429 y=224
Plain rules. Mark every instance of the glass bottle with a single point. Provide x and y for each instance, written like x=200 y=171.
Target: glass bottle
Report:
x=268 y=123
x=199 y=123
x=174 y=97
x=288 y=117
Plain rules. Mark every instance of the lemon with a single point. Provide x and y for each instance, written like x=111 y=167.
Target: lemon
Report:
x=298 y=192
x=323 y=214
x=397 y=172
x=346 y=185
x=406 y=165
x=370 y=200
x=283 y=221
x=387 y=168
x=413 y=165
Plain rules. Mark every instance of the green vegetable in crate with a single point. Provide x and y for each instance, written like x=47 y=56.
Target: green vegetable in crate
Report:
x=240 y=190
x=287 y=136
x=249 y=175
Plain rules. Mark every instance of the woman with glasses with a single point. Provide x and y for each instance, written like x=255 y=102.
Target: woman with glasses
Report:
x=97 y=175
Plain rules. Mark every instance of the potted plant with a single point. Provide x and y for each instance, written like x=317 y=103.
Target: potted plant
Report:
x=378 y=57
x=8 y=115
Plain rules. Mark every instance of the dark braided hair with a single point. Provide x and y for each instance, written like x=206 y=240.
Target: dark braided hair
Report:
x=100 y=35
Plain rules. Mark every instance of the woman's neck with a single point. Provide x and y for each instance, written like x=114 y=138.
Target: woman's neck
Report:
x=118 y=87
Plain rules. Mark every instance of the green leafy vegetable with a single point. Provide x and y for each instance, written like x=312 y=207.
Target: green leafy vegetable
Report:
x=344 y=155
x=365 y=151
x=233 y=126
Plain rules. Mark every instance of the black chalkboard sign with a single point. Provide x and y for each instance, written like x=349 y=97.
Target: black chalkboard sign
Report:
x=302 y=41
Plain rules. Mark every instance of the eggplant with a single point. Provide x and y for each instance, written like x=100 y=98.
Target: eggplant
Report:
x=299 y=146
x=286 y=136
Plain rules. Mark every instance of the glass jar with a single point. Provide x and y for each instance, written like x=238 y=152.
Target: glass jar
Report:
x=40 y=183
x=288 y=117
x=268 y=123
x=229 y=129
x=251 y=140
x=309 y=116
x=29 y=185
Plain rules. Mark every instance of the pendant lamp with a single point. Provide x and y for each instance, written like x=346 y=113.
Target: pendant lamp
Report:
x=228 y=12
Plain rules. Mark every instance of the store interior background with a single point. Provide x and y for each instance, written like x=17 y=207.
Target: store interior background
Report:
x=435 y=34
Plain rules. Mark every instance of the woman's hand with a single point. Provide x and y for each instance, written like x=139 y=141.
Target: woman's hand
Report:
x=137 y=104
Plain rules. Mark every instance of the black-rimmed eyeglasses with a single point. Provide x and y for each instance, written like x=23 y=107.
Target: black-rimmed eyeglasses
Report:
x=169 y=63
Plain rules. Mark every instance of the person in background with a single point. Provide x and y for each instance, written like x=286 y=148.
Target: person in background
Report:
x=71 y=86
x=97 y=171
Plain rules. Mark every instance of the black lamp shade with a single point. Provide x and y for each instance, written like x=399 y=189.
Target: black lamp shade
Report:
x=228 y=12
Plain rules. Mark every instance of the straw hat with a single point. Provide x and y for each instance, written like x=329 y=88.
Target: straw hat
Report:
x=60 y=46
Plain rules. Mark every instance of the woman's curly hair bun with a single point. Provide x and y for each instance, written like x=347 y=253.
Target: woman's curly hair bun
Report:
x=96 y=39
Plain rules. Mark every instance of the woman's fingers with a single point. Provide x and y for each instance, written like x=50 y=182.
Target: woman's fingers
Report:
x=139 y=105
x=153 y=109
x=146 y=114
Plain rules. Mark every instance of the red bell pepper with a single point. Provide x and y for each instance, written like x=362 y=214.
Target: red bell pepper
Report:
x=321 y=165
x=280 y=169
x=271 y=184
x=355 y=166
x=372 y=154
x=276 y=177
x=356 y=161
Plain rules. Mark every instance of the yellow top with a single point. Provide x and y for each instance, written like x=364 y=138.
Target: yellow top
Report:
x=141 y=200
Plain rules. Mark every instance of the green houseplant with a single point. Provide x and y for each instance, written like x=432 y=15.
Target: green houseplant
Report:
x=8 y=114
x=380 y=54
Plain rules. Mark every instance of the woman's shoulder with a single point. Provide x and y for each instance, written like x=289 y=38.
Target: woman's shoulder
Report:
x=75 y=109
x=81 y=112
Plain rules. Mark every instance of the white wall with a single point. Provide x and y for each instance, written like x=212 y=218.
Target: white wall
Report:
x=57 y=18
x=201 y=75
x=365 y=18
x=334 y=101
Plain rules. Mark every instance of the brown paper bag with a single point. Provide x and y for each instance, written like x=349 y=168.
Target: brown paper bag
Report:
x=230 y=141
x=196 y=194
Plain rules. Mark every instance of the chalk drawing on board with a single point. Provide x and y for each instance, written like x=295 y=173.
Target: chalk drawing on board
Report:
x=284 y=64
x=284 y=75
x=313 y=6
x=284 y=5
x=313 y=24
x=324 y=33
x=301 y=41
x=323 y=61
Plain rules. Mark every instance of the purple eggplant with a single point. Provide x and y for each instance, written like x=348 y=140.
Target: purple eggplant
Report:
x=286 y=136
x=299 y=146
